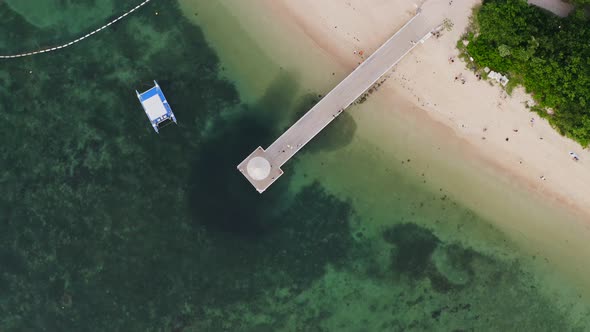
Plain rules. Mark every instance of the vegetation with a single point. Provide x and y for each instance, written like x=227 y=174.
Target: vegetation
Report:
x=549 y=55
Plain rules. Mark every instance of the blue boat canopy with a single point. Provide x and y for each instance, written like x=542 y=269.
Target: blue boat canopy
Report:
x=156 y=107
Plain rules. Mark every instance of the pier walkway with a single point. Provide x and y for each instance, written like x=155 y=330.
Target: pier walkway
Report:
x=263 y=167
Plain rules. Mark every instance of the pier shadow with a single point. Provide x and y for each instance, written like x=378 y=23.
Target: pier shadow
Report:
x=277 y=103
x=221 y=198
x=338 y=134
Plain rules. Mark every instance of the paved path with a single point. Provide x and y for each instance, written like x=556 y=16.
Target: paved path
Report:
x=557 y=7
x=262 y=167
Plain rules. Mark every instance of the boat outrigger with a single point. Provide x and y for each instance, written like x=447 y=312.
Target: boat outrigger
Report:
x=156 y=107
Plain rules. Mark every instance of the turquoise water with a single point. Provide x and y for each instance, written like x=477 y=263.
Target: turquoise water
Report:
x=106 y=226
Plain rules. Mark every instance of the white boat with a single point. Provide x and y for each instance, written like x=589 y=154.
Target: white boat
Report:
x=156 y=107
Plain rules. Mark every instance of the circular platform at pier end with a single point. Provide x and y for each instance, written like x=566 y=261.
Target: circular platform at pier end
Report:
x=258 y=168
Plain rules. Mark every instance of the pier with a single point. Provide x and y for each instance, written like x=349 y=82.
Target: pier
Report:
x=263 y=166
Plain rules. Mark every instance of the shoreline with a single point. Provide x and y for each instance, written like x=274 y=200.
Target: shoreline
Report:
x=484 y=175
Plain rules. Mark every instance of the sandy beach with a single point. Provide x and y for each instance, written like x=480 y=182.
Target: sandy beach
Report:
x=501 y=160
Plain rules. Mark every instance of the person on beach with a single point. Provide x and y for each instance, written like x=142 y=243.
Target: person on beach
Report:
x=574 y=156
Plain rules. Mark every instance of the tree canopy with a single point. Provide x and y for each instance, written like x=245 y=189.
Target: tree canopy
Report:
x=548 y=54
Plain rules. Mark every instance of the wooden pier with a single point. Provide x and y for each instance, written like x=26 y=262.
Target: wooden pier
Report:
x=263 y=167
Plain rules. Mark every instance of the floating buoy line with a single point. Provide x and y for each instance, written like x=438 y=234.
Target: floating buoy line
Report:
x=79 y=39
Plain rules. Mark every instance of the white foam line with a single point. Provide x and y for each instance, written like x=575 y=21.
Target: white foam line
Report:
x=76 y=40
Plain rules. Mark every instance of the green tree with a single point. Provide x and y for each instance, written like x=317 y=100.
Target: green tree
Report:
x=549 y=54
x=504 y=50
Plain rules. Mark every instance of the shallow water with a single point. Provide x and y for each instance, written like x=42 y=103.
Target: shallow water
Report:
x=106 y=226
